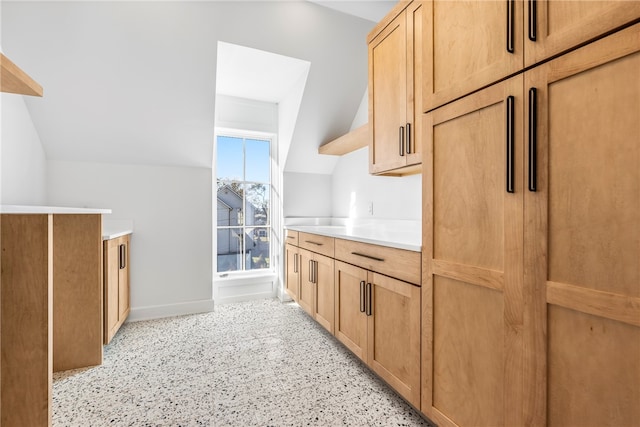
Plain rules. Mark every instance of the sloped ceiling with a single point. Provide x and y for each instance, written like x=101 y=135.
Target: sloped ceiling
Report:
x=134 y=82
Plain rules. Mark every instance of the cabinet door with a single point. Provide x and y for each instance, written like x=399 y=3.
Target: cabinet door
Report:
x=388 y=96
x=553 y=27
x=123 y=279
x=325 y=300
x=394 y=334
x=293 y=272
x=472 y=252
x=306 y=297
x=471 y=44
x=415 y=37
x=351 y=320
x=111 y=288
x=583 y=236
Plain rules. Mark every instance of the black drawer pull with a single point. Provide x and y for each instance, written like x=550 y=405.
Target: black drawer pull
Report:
x=533 y=139
x=533 y=20
x=368 y=256
x=313 y=243
x=510 y=145
x=510 y=21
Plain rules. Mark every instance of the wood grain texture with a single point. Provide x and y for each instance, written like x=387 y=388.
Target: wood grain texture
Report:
x=350 y=322
x=581 y=240
x=594 y=374
x=323 y=245
x=466 y=48
x=27 y=311
x=292 y=268
x=387 y=96
x=468 y=365
x=563 y=25
x=394 y=335
x=399 y=263
x=14 y=80
x=352 y=141
x=78 y=290
x=324 y=297
x=111 y=289
x=116 y=285
x=292 y=237
x=475 y=238
x=306 y=298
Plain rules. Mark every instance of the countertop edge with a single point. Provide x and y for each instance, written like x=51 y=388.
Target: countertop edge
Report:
x=116 y=234
x=363 y=239
x=19 y=209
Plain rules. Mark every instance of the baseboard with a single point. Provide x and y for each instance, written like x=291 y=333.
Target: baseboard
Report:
x=245 y=297
x=170 y=310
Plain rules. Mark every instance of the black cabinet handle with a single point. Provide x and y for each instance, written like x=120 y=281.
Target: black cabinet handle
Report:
x=369 y=309
x=533 y=20
x=122 y=254
x=313 y=243
x=362 y=293
x=295 y=263
x=510 y=144
x=408 y=138
x=510 y=20
x=368 y=256
x=310 y=271
x=401 y=140
x=533 y=139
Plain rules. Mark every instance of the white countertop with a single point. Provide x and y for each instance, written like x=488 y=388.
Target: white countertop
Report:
x=112 y=228
x=395 y=234
x=18 y=209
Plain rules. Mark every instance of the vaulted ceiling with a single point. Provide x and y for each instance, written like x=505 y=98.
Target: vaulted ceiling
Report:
x=135 y=82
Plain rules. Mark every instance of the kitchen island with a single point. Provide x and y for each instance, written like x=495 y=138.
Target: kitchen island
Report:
x=50 y=303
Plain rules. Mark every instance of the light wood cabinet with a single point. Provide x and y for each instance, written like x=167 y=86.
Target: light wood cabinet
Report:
x=395 y=81
x=116 y=285
x=582 y=236
x=475 y=43
x=378 y=318
x=472 y=282
x=292 y=285
x=316 y=287
x=531 y=224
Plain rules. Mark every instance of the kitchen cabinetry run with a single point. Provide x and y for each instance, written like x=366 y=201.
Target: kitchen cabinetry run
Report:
x=116 y=285
x=368 y=297
x=395 y=82
x=473 y=44
x=378 y=319
x=530 y=237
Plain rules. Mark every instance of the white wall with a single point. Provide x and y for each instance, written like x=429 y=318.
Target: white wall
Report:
x=24 y=163
x=353 y=189
x=307 y=195
x=171 y=210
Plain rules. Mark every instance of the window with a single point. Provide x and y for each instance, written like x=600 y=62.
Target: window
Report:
x=243 y=177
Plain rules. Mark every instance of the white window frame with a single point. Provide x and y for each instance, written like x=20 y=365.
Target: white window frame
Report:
x=246 y=134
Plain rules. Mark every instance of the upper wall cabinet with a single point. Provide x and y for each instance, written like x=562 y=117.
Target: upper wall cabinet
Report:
x=395 y=81
x=14 y=80
x=474 y=43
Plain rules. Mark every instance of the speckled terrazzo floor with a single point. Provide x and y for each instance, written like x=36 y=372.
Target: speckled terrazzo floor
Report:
x=260 y=363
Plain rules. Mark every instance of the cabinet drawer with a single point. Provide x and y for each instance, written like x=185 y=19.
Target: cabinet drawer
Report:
x=316 y=243
x=291 y=237
x=399 y=263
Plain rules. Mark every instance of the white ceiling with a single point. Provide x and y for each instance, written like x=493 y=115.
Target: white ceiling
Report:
x=135 y=82
x=372 y=10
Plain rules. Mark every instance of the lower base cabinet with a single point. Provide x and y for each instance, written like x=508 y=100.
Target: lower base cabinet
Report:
x=316 y=287
x=378 y=319
x=116 y=285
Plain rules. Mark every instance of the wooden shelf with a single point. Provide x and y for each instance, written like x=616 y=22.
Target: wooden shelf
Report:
x=14 y=80
x=357 y=138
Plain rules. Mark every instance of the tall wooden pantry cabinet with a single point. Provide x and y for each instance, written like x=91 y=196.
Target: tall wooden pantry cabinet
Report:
x=531 y=220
